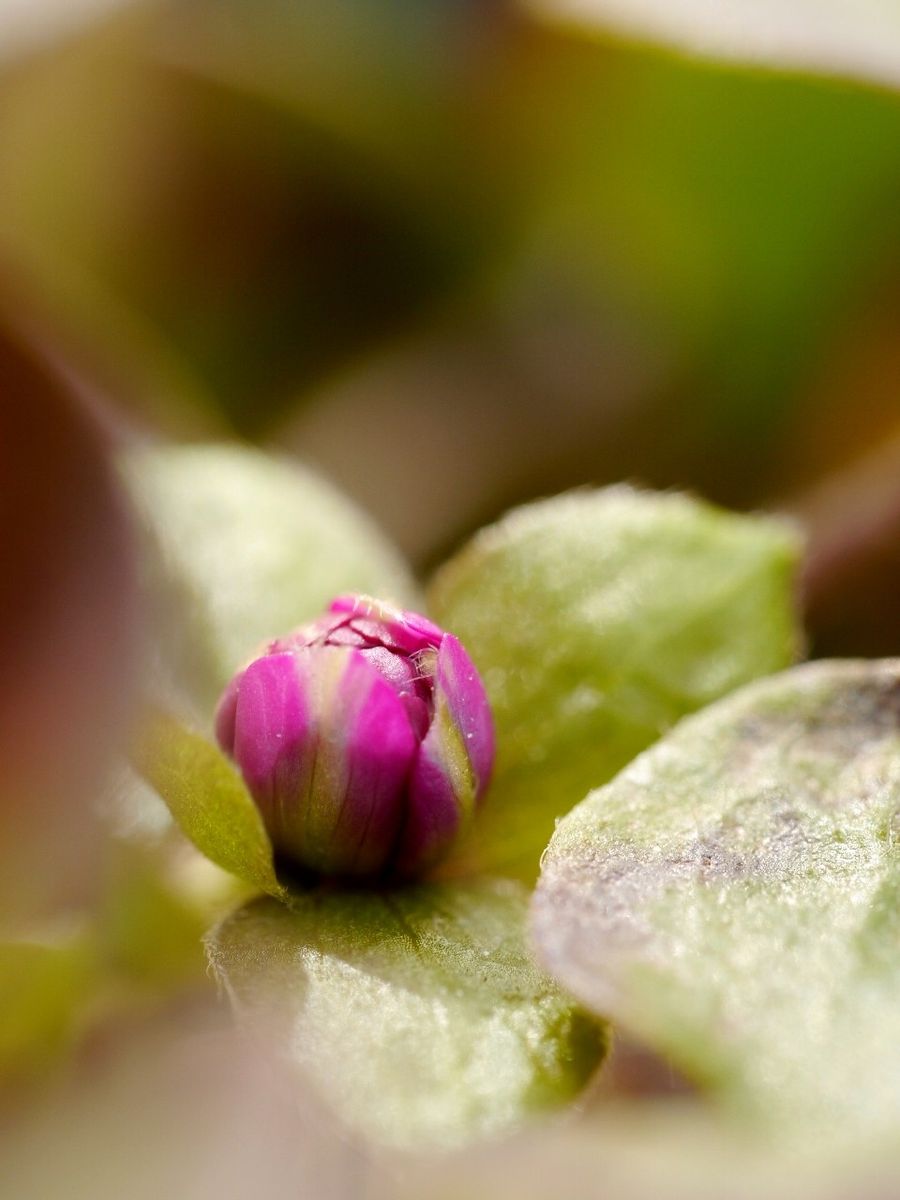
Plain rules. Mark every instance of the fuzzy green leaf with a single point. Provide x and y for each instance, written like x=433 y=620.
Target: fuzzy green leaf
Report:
x=733 y=899
x=416 y=1013
x=597 y=620
x=208 y=799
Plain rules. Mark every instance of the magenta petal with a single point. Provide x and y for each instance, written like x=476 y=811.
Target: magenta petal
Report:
x=454 y=763
x=404 y=677
x=346 y=603
x=421 y=631
x=274 y=740
x=461 y=685
x=435 y=809
x=399 y=672
x=367 y=748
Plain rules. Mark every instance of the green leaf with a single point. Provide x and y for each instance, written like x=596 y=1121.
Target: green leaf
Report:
x=416 y=1013
x=244 y=547
x=207 y=798
x=732 y=899
x=597 y=620
x=855 y=38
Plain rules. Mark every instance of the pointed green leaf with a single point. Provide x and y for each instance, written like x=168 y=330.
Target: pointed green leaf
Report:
x=416 y=1013
x=243 y=547
x=598 y=619
x=732 y=899
x=207 y=798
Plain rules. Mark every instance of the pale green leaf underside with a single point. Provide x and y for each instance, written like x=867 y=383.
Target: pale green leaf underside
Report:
x=244 y=547
x=208 y=799
x=855 y=38
x=597 y=619
x=733 y=898
x=416 y=1013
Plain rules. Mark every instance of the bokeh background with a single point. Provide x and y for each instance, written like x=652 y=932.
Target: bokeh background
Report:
x=456 y=254
x=460 y=254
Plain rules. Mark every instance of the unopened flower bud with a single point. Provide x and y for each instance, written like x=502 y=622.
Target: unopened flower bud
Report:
x=365 y=739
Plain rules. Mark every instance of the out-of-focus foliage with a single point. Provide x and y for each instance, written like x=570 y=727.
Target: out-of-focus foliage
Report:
x=219 y=1120
x=242 y=548
x=852 y=573
x=25 y=24
x=68 y=625
x=173 y=1111
x=133 y=950
x=858 y=38
x=604 y=261
x=43 y=989
x=157 y=904
x=672 y=1149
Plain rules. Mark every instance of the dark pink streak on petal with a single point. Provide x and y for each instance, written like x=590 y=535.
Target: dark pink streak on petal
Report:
x=326 y=629
x=405 y=632
x=433 y=812
x=380 y=747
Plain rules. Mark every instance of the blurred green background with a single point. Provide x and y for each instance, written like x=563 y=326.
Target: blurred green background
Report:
x=458 y=256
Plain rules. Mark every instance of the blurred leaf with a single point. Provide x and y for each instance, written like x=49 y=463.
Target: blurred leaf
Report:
x=676 y=1150
x=207 y=798
x=852 y=574
x=178 y=1108
x=417 y=1013
x=137 y=947
x=597 y=620
x=732 y=898
x=740 y=218
x=43 y=988
x=150 y=929
x=160 y=895
x=68 y=624
x=247 y=547
x=855 y=38
x=276 y=189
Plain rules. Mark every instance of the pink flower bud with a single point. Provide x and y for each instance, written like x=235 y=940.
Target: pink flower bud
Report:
x=365 y=739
